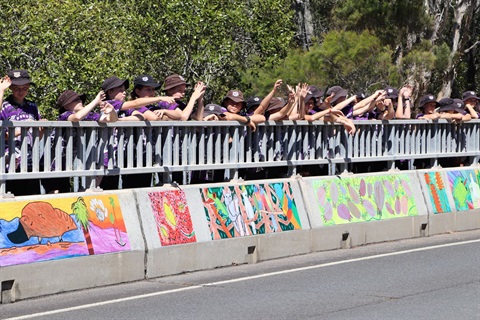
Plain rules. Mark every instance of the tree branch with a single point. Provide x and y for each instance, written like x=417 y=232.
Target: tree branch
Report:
x=473 y=46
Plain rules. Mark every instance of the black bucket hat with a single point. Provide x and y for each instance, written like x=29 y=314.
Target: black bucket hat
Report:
x=67 y=97
x=448 y=104
x=114 y=82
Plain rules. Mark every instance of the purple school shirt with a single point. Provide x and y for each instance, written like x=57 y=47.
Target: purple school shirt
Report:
x=15 y=112
x=91 y=116
x=162 y=105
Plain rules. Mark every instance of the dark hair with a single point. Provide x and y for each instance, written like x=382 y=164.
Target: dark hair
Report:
x=133 y=94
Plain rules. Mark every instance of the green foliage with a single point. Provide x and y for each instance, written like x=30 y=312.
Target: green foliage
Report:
x=73 y=44
x=356 y=61
x=390 y=20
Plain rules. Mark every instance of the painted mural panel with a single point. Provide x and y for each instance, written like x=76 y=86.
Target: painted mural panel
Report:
x=346 y=200
x=464 y=185
x=172 y=217
x=33 y=231
x=236 y=211
x=437 y=192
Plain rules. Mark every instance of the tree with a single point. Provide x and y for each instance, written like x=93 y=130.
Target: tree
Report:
x=80 y=210
x=78 y=44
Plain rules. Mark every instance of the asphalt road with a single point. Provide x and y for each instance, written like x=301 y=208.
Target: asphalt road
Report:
x=426 y=278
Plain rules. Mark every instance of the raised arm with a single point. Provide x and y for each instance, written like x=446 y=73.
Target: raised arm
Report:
x=82 y=113
x=5 y=83
x=264 y=104
x=142 y=102
x=404 y=105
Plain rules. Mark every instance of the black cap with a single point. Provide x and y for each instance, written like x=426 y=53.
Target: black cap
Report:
x=428 y=98
x=468 y=95
x=392 y=93
x=113 y=82
x=20 y=77
x=145 y=80
x=253 y=102
x=213 y=108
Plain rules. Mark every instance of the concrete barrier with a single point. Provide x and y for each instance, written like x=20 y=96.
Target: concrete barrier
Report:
x=51 y=244
x=351 y=210
x=207 y=226
x=452 y=197
x=55 y=243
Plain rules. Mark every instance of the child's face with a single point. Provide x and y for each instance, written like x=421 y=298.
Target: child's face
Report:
x=310 y=104
x=76 y=105
x=472 y=101
x=177 y=92
x=20 y=92
x=117 y=93
x=429 y=107
x=145 y=92
x=232 y=106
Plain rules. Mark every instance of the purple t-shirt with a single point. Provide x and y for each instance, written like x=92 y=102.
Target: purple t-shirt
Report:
x=91 y=116
x=162 y=105
x=15 y=112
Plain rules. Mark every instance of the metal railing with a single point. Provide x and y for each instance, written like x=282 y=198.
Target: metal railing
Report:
x=87 y=150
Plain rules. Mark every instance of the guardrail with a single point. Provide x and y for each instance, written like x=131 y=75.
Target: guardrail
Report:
x=87 y=150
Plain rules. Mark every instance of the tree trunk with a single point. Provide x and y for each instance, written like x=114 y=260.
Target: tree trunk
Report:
x=462 y=12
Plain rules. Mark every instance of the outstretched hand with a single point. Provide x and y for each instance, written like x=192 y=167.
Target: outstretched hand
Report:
x=5 y=82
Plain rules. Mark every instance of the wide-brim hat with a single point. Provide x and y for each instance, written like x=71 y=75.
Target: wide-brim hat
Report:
x=146 y=80
x=235 y=96
x=114 y=82
x=448 y=104
x=69 y=96
x=341 y=93
x=19 y=77
x=333 y=89
x=173 y=81
x=469 y=95
x=315 y=92
x=427 y=99
x=213 y=108
x=276 y=103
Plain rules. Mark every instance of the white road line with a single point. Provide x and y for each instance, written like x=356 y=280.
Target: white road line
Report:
x=159 y=293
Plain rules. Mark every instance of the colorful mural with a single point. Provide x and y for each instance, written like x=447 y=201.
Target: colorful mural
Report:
x=464 y=185
x=437 y=192
x=33 y=231
x=346 y=200
x=172 y=217
x=236 y=211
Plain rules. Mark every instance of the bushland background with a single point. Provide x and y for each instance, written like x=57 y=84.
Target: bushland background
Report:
x=361 y=45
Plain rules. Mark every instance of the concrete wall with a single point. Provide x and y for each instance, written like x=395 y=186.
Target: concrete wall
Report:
x=153 y=232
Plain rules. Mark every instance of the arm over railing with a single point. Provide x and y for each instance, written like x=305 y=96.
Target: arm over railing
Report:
x=87 y=150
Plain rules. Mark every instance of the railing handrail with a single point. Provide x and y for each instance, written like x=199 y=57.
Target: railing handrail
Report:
x=89 y=149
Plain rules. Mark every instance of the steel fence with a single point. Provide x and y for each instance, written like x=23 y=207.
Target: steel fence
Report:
x=87 y=150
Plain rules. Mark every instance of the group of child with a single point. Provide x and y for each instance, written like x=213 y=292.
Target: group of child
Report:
x=303 y=102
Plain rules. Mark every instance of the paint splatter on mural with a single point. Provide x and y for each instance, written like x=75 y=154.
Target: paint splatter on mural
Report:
x=33 y=231
x=346 y=200
x=437 y=192
x=464 y=185
x=172 y=217
x=236 y=211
